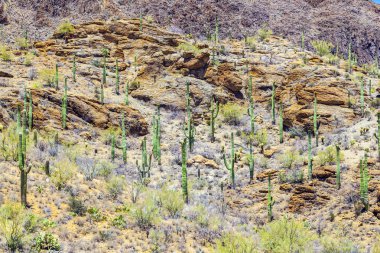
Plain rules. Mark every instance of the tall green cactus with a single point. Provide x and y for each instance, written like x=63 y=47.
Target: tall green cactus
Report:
x=74 y=70
x=216 y=34
x=251 y=161
x=364 y=181
x=315 y=120
x=56 y=79
x=126 y=101
x=117 y=78
x=64 y=106
x=124 y=138
x=185 y=191
x=309 y=156
x=22 y=163
x=362 y=97
x=273 y=103
x=230 y=165
x=281 y=124
x=18 y=124
x=24 y=131
x=251 y=111
x=338 y=183
x=189 y=130
x=113 y=147
x=270 y=201
x=377 y=136
x=102 y=93
x=157 y=136
x=214 y=111
x=146 y=161
x=30 y=116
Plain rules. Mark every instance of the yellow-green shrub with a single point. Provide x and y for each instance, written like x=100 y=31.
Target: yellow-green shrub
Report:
x=328 y=156
x=232 y=113
x=235 y=243
x=187 y=47
x=47 y=76
x=65 y=28
x=322 y=47
x=5 y=54
x=63 y=171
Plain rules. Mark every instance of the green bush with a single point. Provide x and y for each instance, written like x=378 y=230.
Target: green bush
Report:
x=22 y=43
x=336 y=245
x=145 y=214
x=65 y=28
x=232 y=113
x=264 y=33
x=286 y=235
x=171 y=201
x=235 y=243
x=328 y=156
x=5 y=54
x=322 y=47
x=187 y=47
x=63 y=171
x=251 y=43
x=119 y=222
x=95 y=214
x=46 y=241
x=77 y=206
x=28 y=59
x=8 y=142
x=116 y=186
x=13 y=217
x=47 y=76
x=290 y=159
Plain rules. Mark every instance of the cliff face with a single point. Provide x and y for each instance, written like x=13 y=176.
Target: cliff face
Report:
x=339 y=21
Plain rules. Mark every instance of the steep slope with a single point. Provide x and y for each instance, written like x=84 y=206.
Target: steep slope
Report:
x=342 y=22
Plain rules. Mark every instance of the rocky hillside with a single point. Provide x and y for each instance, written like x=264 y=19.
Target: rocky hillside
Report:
x=342 y=22
x=88 y=191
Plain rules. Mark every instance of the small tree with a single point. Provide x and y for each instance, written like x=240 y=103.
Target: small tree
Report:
x=65 y=29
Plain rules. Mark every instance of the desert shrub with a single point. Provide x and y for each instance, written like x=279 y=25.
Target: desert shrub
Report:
x=119 y=222
x=328 y=156
x=115 y=186
x=32 y=74
x=77 y=206
x=47 y=76
x=235 y=243
x=12 y=220
x=251 y=43
x=157 y=238
x=46 y=241
x=105 y=168
x=95 y=214
x=376 y=246
x=292 y=176
x=171 y=201
x=264 y=33
x=261 y=137
x=63 y=171
x=5 y=54
x=286 y=235
x=8 y=143
x=332 y=244
x=290 y=158
x=65 y=28
x=88 y=166
x=322 y=47
x=144 y=214
x=187 y=47
x=232 y=113
x=28 y=59
x=332 y=59
x=22 y=43
x=203 y=218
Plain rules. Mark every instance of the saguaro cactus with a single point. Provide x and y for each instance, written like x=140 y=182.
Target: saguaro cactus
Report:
x=230 y=165
x=146 y=161
x=24 y=131
x=117 y=78
x=124 y=139
x=315 y=120
x=338 y=184
x=102 y=93
x=251 y=111
x=30 y=116
x=214 y=111
x=126 y=93
x=364 y=180
x=22 y=166
x=64 y=106
x=281 y=124
x=377 y=136
x=270 y=201
x=74 y=70
x=189 y=130
x=309 y=158
x=216 y=35
x=18 y=119
x=251 y=161
x=56 y=79
x=185 y=192
x=273 y=103
x=157 y=136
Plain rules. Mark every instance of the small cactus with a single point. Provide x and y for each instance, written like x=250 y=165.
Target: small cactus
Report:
x=146 y=161
x=251 y=161
x=231 y=164
x=214 y=111
x=126 y=101
x=251 y=111
x=273 y=103
x=185 y=192
x=124 y=139
x=364 y=180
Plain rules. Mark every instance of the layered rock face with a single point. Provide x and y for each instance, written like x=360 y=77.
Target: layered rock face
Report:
x=342 y=22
